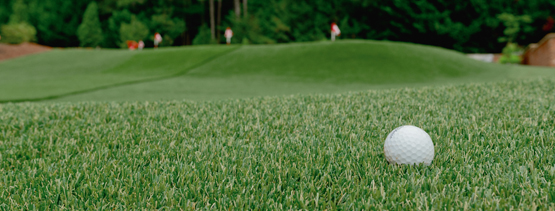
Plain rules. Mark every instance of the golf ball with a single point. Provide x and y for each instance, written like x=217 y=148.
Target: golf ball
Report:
x=409 y=145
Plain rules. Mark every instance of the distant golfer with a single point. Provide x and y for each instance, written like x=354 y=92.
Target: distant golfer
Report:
x=157 y=39
x=228 y=34
x=132 y=45
x=334 y=31
x=141 y=45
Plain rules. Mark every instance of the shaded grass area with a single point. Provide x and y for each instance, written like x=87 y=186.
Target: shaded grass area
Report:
x=319 y=67
x=494 y=149
x=63 y=72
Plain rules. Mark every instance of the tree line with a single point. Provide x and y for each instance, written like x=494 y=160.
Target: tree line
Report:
x=463 y=25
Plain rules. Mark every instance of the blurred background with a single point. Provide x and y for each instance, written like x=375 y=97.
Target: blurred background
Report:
x=469 y=26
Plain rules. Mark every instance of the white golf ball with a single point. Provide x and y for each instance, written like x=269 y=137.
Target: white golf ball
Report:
x=409 y=145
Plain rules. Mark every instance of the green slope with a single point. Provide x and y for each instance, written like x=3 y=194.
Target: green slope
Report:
x=219 y=72
x=61 y=72
x=374 y=62
x=320 y=67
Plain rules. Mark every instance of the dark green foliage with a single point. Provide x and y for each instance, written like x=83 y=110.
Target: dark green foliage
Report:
x=511 y=54
x=5 y=11
x=57 y=20
x=90 y=31
x=463 y=25
x=295 y=20
x=469 y=26
x=20 y=12
x=112 y=37
x=135 y=30
x=16 y=33
x=18 y=30
x=165 y=16
x=513 y=25
x=128 y=3
x=204 y=36
x=246 y=30
x=274 y=19
x=170 y=28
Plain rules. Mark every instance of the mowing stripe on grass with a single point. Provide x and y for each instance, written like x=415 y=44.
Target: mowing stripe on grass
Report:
x=209 y=59
x=317 y=67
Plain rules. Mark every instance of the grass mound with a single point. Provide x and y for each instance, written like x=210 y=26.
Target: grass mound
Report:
x=354 y=61
x=220 y=72
x=494 y=146
x=63 y=72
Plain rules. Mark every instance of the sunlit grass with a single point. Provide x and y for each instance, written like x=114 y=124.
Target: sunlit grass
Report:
x=494 y=146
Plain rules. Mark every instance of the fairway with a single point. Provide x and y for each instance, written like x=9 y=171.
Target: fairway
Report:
x=292 y=126
x=277 y=105
x=64 y=72
x=234 y=72
x=494 y=145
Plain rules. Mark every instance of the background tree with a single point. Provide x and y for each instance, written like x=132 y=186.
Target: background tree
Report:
x=245 y=13
x=18 y=29
x=212 y=20
x=219 y=21
x=5 y=11
x=513 y=25
x=170 y=28
x=20 y=13
x=204 y=36
x=510 y=54
x=57 y=21
x=112 y=28
x=463 y=25
x=237 y=6
x=90 y=31
x=135 y=30
x=247 y=30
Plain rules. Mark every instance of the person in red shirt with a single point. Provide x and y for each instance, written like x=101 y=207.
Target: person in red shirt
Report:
x=132 y=45
x=334 y=31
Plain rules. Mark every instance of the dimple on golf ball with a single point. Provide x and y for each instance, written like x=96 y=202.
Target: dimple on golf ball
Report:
x=409 y=145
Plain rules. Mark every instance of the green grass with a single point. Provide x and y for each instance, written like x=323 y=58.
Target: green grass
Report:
x=492 y=126
x=355 y=61
x=62 y=72
x=211 y=73
x=321 y=67
x=494 y=150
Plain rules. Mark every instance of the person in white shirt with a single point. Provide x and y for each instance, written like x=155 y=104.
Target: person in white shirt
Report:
x=157 y=39
x=141 y=45
x=228 y=34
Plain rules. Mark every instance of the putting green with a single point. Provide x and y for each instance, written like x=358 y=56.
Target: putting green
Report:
x=222 y=72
